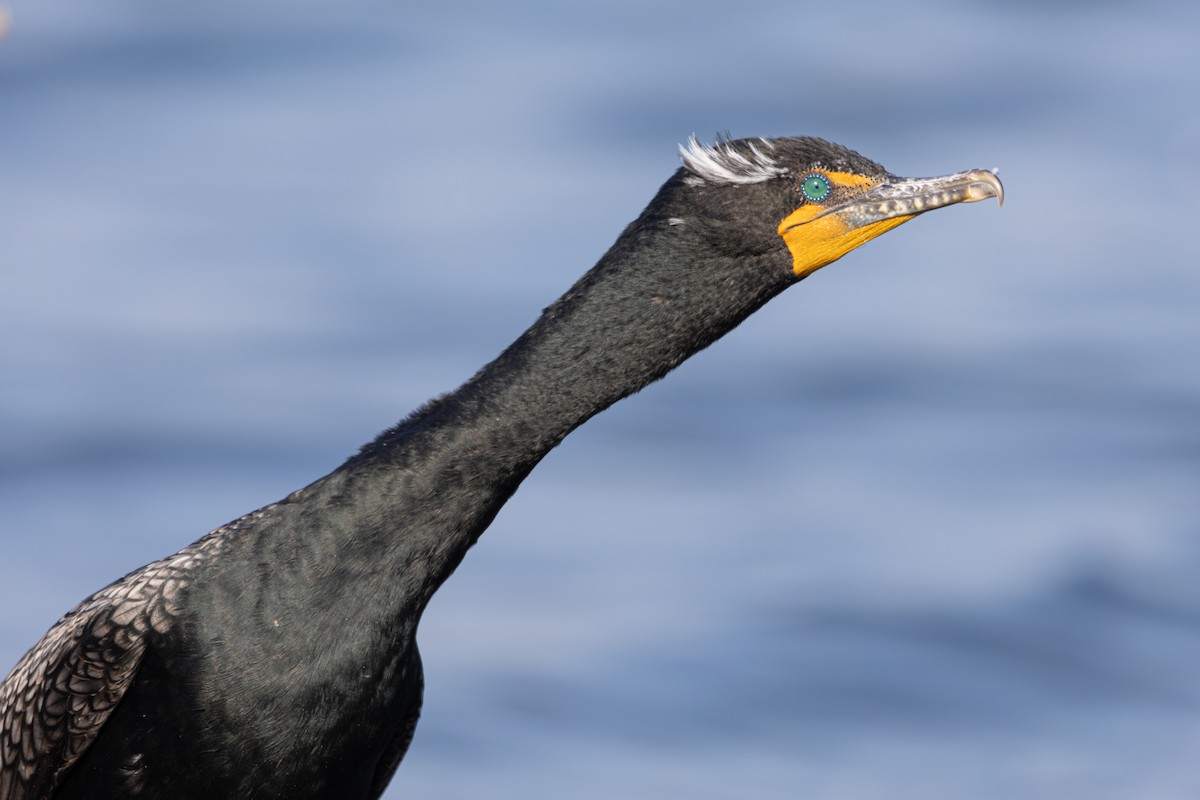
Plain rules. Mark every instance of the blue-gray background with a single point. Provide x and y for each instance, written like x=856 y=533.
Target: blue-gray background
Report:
x=927 y=526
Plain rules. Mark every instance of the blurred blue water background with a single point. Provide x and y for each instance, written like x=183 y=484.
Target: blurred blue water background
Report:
x=927 y=526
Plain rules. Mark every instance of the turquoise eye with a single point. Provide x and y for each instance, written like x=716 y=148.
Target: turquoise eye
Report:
x=815 y=187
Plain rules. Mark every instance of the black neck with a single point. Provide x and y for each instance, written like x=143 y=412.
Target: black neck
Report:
x=658 y=296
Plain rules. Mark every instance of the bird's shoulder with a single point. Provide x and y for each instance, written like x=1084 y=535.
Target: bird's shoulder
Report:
x=57 y=698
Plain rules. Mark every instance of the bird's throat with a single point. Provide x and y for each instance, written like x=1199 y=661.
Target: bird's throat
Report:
x=817 y=240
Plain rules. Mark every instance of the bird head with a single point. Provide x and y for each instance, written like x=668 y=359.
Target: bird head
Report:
x=827 y=198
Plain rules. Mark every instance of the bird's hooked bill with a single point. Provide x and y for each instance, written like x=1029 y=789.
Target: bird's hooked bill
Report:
x=907 y=197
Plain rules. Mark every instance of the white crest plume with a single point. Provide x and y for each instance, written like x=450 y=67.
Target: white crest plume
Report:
x=727 y=162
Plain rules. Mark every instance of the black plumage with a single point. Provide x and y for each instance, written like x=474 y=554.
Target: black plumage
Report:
x=275 y=657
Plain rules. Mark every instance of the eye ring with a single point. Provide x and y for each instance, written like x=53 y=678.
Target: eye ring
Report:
x=815 y=187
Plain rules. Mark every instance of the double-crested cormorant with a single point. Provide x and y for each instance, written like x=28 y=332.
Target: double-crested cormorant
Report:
x=275 y=657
